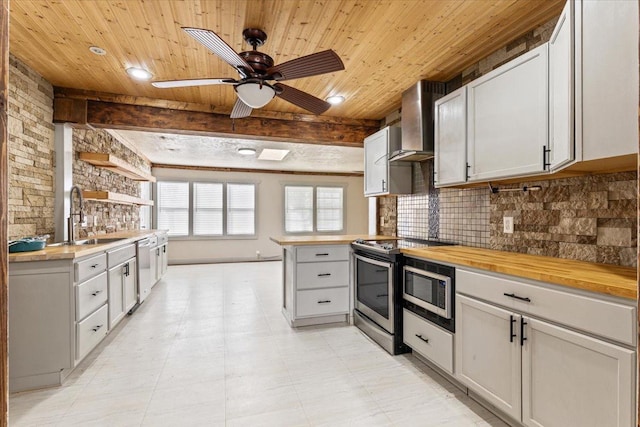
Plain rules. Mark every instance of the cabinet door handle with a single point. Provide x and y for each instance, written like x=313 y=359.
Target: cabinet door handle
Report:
x=423 y=338
x=96 y=293
x=164 y=249
x=326 y=301
x=97 y=328
x=158 y=252
x=324 y=274
x=522 y=337
x=511 y=322
x=325 y=254
x=517 y=297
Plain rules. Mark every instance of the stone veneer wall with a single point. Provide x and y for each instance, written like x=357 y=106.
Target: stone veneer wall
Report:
x=31 y=153
x=105 y=217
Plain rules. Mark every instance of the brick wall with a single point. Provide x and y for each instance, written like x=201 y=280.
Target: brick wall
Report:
x=31 y=153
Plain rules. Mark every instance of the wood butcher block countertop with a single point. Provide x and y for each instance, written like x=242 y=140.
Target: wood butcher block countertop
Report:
x=72 y=252
x=342 y=239
x=603 y=278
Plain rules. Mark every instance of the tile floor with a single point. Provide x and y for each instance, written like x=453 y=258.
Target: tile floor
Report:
x=210 y=347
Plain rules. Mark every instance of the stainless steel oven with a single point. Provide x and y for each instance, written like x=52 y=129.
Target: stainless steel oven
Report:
x=374 y=290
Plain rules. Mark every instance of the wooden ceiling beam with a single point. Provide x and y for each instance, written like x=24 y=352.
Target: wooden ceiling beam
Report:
x=112 y=111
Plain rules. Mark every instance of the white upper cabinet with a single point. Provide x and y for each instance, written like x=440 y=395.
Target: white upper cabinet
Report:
x=507 y=118
x=606 y=55
x=380 y=176
x=561 y=92
x=451 y=138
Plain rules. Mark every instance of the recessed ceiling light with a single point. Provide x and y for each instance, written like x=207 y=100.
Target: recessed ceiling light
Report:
x=139 y=73
x=272 y=154
x=335 y=99
x=247 y=151
x=98 y=50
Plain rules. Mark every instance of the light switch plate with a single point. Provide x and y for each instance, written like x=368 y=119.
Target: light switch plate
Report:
x=508 y=224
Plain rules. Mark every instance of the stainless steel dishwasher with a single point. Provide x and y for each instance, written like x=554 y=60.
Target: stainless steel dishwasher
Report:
x=144 y=269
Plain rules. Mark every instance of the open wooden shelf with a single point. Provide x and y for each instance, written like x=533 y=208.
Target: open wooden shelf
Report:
x=117 y=165
x=111 y=197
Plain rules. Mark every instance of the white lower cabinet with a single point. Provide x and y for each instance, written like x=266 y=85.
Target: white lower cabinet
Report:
x=428 y=340
x=537 y=371
x=91 y=331
x=316 y=284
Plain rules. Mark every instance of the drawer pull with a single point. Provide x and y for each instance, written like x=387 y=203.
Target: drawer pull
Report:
x=422 y=338
x=325 y=254
x=382 y=295
x=96 y=293
x=97 y=328
x=326 y=301
x=517 y=297
x=511 y=334
x=324 y=274
x=94 y=265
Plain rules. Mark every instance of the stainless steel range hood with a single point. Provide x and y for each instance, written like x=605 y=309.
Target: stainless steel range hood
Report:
x=418 y=121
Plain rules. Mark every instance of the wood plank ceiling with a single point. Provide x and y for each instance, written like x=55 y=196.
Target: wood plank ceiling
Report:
x=386 y=46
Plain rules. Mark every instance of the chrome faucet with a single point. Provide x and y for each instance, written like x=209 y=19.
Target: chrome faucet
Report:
x=80 y=214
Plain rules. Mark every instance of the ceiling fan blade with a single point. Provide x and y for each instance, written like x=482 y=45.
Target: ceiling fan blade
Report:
x=240 y=110
x=215 y=44
x=192 y=82
x=311 y=65
x=301 y=99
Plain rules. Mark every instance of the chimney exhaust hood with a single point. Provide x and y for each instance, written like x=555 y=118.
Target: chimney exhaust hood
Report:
x=417 y=121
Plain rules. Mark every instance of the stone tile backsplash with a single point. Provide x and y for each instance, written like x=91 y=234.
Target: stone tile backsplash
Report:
x=590 y=218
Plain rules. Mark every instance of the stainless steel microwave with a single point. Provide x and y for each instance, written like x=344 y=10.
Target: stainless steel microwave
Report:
x=428 y=290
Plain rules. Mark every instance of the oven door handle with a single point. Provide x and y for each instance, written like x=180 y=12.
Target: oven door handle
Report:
x=425 y=273
x=373 y=261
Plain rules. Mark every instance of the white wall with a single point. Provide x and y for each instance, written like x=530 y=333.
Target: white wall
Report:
x=270 y=208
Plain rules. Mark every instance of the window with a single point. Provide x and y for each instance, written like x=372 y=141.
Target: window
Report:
x=173 y=207
x=311 y=208
x=213 y=209
x=207 y=209
x=241 y=209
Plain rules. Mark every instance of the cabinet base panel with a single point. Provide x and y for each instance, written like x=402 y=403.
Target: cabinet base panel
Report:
x=310 y=321
x=33 y=382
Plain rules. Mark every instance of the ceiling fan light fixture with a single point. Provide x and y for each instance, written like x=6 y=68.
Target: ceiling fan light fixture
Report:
x=335 y=99
x=247 y=151
x=139 y=73
x=255 y=95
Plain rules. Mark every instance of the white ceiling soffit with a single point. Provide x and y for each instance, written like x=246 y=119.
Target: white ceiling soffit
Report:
x=191 y=150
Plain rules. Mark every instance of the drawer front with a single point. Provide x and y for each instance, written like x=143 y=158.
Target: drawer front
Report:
x=120 y=255
x=590 y=314
x=91 y=295
x=153 y=241
x=322 y=275
x=162 y=239
x=323 y=253
x=90 y=267
x=429 y=340
x=91 y=331
x=320 y=302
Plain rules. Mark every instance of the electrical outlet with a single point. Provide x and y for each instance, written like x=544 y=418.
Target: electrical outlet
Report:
x=508 y=224
x=258 y=254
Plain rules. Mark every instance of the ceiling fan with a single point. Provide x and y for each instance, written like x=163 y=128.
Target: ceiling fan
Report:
x=257 y=72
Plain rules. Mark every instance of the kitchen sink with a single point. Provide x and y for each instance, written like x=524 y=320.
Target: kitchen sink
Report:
x=95 y=241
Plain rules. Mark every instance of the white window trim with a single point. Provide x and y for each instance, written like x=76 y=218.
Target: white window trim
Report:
x=315 y=208
x=225 y=236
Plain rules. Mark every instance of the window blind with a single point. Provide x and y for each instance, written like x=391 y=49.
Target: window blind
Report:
x=207 y=209
x=173 y=207
x=241 y=205
x=329 y=208
x=298 y=209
